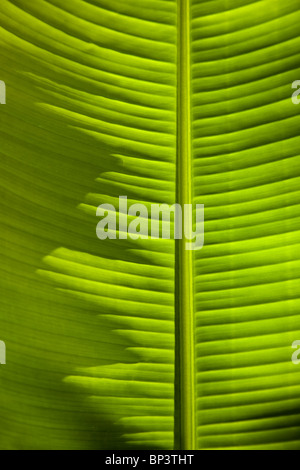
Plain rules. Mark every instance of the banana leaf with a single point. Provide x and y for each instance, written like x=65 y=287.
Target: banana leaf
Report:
x=142 y=344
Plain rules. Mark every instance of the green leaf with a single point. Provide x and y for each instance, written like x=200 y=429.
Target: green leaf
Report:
x=123 y=344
